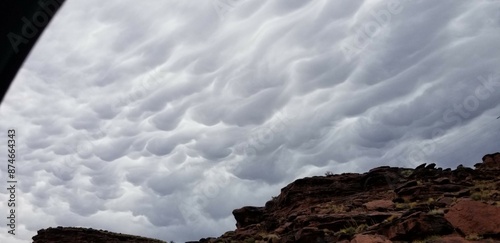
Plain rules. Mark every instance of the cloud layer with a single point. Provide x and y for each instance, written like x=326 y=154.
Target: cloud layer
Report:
x=158 y=119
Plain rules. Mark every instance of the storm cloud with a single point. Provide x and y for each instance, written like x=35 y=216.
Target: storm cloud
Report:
x=159 y=118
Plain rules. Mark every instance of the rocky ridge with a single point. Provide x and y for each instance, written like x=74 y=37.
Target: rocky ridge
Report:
x=85 y=235
x=385 y=204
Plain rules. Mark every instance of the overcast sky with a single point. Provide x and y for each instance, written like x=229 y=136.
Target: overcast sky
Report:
x=159 y=118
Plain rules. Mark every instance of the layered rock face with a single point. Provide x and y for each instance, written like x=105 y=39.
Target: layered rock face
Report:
x=386 y=204
x=83 y=235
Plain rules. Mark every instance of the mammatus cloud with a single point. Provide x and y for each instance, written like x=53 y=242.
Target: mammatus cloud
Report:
x=160 y=119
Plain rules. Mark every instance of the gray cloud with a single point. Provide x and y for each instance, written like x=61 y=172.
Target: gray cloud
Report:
x=159 y=119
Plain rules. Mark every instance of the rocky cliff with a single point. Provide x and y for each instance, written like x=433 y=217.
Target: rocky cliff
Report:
x=385 y=204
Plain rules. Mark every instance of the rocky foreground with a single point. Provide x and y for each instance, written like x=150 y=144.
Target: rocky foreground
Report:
x=386 y=204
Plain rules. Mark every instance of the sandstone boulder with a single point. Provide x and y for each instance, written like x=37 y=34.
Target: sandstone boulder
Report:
x=472 y=217
x=415 y=226
x=379 y=205
x=248 y=215
x=492 y=160
x=309 y=234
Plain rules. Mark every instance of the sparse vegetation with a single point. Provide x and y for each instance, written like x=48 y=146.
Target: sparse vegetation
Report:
x=482 y=195
x=391 y=218
x=436 y=211
x=473 y=237
x=477 y=196
x=406 y=173
x=406 y=199
x=338 y=208
x=328 y=173
x=406 y=205
x=327 y=232
x=272 y=236
x=250 y=240
x=401 y=205
x=266 y=237
x=484 y=190
x=352 y=230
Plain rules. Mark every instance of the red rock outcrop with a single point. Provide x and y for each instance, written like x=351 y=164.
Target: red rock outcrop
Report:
x=85 y=235
x=491 y=160
x=473 y=217
x=379 y=205
x=385 y=204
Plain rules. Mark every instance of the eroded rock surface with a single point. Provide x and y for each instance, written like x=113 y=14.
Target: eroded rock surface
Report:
x=473 y=217
x=385 y=204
